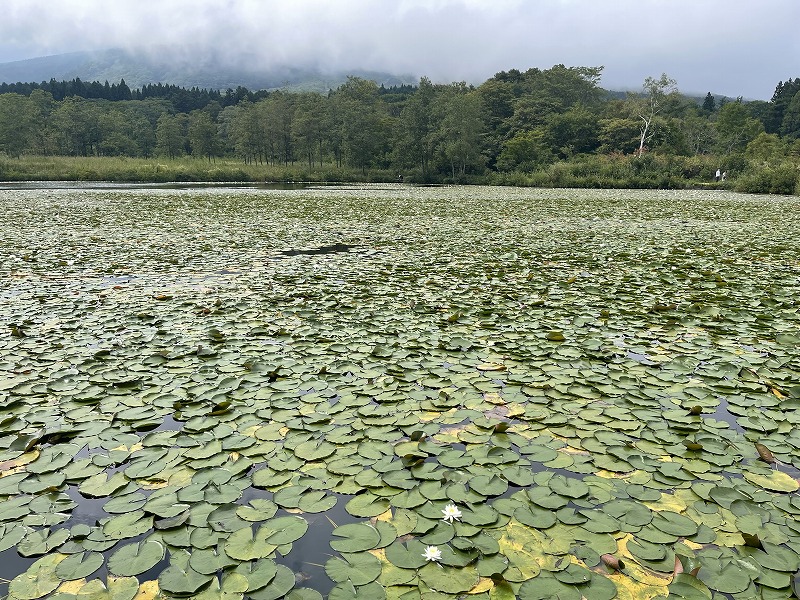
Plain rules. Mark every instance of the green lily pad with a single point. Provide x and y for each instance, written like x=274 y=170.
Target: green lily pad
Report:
x=409 y=555
x=39 y=580
x=347 y=591
x=359 y=569
x=279 y=586
x=182 y=581
x=355 y=537
x=449 y=580
x=136 y=558
x=78 y=566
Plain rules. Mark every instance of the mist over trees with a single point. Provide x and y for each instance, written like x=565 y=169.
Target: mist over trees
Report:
x=513 y=124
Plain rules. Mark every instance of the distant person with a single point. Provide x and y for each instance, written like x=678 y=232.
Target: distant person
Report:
x=724 y=176
x=718 y=175
x=400 y=178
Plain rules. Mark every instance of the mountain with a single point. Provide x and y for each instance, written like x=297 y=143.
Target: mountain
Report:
x=211 y=72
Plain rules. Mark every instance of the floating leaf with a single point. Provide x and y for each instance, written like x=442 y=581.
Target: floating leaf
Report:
x=359 y=569
x=278 y=587
x=136 y=558
x=78 y=566
x=182 y=581
x=39 y=580
x=449 y=580
x=355 y=537
x=775 y=481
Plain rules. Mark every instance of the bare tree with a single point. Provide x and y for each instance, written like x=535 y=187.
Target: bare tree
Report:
x=650 y=103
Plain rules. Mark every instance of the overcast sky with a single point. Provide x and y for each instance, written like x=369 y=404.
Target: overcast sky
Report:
x=728 y=47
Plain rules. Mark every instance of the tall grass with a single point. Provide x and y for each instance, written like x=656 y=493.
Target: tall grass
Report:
x=650 y=171
x=162 y=170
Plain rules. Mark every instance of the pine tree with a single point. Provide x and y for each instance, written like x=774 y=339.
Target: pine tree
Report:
x=709 y=103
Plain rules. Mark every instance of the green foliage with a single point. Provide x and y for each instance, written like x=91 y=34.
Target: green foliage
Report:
x=766 y=148
x=781 y=179
x=709 y=104
x=735 y=128
x=524 y=152
x=524 y=122
x=790 y=124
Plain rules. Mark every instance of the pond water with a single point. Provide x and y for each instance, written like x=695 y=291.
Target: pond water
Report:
x=276 y=391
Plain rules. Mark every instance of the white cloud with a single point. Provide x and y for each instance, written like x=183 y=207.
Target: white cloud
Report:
x=726 y=46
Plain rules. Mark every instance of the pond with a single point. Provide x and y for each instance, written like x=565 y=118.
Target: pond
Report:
x=398 y=392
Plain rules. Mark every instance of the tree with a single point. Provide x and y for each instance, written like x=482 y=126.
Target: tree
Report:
x=618 y=135
x=735 y=127
x=117 y=134
x=524 y=152
x=41 y=139
x=699 y=133
x=142 y=125
x=460 y=130
x=790 y=125
x=416 y=138
x=203 y=139
x=170 y=140
x=362 y=130
x=573 y=131
x=245 y=132
x=498 y=107
x=781 y=98
x=709 y=104
x=276 y=113
x=554 y=91
x=766 y=148
x=649 y=104
x=17 y=124
x=77 y=126
x=307 y=126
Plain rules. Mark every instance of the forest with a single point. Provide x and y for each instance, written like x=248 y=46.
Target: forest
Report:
x=540 y=127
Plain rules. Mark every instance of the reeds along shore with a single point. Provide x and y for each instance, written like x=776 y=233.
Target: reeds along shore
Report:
x=603 y=171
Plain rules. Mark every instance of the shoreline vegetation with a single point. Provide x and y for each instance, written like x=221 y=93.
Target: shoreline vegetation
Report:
x=540 y=128
x=603 y=172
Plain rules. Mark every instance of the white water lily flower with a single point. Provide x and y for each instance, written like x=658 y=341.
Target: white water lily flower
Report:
x=433 y=553
x=451 y=512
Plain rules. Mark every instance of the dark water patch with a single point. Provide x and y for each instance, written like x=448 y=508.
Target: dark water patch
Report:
x=169 y=424
x=640 y=358
x=512 y=489
x=330 y=249
x=723 y=414
x=89 y=510
x=310 y=553
x=11 y=565
x=111 y=280
x=790 y=470
x=283 y=185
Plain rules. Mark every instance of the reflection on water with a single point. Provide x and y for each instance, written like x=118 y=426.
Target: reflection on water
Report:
x=307 y=558
x=12 y=564
x=169 y=424
x=310 y=553
x=723 y=414
x=89 y=510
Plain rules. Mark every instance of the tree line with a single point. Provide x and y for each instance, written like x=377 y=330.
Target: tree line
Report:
x=514 y=123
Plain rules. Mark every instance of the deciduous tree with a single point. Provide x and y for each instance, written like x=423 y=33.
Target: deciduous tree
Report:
x=649 y=104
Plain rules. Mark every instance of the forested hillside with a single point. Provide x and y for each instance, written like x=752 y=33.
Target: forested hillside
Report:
x=539 y=127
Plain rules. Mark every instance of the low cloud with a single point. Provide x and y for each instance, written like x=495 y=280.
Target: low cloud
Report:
x=732 y=47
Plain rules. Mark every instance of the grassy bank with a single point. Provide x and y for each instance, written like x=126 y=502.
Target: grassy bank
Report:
x=651 y=171
x=163 y=170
